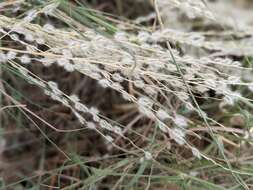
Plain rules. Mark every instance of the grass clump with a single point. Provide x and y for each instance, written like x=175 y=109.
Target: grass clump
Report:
x=93 y=98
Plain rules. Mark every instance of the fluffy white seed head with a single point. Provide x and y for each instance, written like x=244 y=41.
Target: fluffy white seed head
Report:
x=120 y=36
x=69 y=67
x=145 y=106
x=11 y=55
x=180 y=121
x=40 y=41
x=30 y=16
x=94 y=112
x=25 y=59
x=108 y=138
x=29 y=37
x=104 y=83
x=162 y=115
x=148 y=155
x=74 y=98
x=177 y=135
x=91 y=125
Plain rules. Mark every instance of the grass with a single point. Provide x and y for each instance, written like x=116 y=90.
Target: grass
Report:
x=131 y=106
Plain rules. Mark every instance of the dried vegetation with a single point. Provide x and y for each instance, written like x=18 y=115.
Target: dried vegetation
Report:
x=126 y=94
